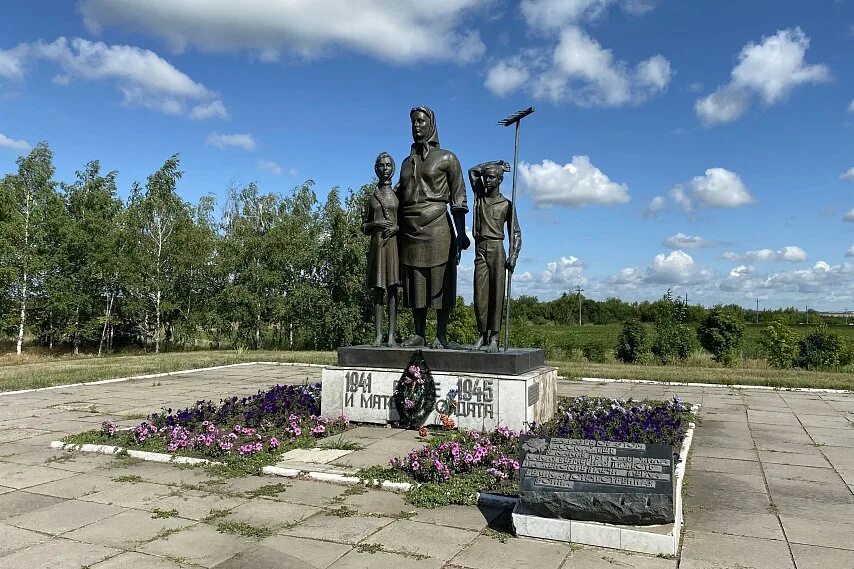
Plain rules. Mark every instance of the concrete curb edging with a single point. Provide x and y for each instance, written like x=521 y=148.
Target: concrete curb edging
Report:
x=717 y=385
x=152 y=376
x=140 y=454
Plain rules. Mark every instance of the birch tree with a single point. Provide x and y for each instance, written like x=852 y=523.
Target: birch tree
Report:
x=158 y=210
x=24 y=201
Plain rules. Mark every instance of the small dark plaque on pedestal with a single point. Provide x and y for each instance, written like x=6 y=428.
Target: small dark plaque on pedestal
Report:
x=599 y=481
x=514 y=361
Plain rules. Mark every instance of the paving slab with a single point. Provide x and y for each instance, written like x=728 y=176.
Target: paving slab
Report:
x=434 y=541
x=22 y=476
x=705 y=550
x=382 y=560
x=134 y=560
x=811 y=557
x=597 y=558
x=17 y=503
x=64 y=516
x=488 y=553
x=13 y=538
x=201 y=544
x=319 y=554
x=811 y=532
x=793 y=458
x=347 y=530
x=57 y=554
x=127 y=529
x=378 y=502
x=269 y=514
x=466 y=517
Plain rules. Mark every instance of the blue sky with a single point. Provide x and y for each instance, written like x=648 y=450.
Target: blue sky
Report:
x=702 y=146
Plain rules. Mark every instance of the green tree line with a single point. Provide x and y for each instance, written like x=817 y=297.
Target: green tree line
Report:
x=80 y=266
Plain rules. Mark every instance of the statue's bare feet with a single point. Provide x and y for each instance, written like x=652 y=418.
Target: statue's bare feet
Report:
x=479 y=344
x=378 y=341
x=414 y=341
x=493 y=345
x=392 y=343
x=438 y=344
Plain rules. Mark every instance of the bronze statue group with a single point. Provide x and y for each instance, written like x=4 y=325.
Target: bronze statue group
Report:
x=417 y=231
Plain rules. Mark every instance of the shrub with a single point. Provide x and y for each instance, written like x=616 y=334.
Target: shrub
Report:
x=673 y=342
x=596 y=352
x=631 y=345
x=780 y=345
x=820 y=349
x=721 y=333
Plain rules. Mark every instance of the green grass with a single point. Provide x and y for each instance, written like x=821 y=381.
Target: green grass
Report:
x=244 y=529
x=710 y=373
x=34 y=371
x=560 y=337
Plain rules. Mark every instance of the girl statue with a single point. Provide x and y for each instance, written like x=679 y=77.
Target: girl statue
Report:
x=379 y=220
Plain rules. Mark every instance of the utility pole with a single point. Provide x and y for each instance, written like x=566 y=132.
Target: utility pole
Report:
x=515 y=118
x=807 y=310
x=846 y=317
x=757 y=311
x=579 y=290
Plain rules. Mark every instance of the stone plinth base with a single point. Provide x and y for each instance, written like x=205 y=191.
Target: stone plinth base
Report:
x=514 y=361
x=484 y=401
x=655 y=540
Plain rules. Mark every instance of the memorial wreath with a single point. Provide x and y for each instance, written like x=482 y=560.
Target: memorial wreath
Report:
x=415 y=392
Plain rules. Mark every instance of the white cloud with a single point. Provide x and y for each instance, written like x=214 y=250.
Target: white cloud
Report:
x=683 y=241
x=790 y=253
x=718 y=187
x=850 y=251
x=6 y=142
x=770 y=70
x=12 y=62
x=829 y=280
x=144 y=78
x=214 y=109
x=557 y=277
x=574 y=184
x=579 y=70
x=848 y=175
x=569 y=270
x=270 y=166
x=675 y=268
x=400 y=31
x=849 y=216
x=506 y=76
x=656 y=206
x=547 y=15
x=244 y=141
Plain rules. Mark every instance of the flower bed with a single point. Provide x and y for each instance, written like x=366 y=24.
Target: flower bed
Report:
x=452 y=467
x=258 y=427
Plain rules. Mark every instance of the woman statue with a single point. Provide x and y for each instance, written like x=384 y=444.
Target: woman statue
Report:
x=431 y=182
x=379 y=220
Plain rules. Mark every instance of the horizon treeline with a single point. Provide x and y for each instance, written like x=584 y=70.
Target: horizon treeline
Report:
x=80 y=267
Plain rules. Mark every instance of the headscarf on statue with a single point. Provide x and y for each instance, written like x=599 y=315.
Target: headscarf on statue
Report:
x=422 y=148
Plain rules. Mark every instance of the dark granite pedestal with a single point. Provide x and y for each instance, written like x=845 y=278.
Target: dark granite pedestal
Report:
x=515 y=361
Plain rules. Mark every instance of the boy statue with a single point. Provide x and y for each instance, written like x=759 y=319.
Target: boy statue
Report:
x=492 y=212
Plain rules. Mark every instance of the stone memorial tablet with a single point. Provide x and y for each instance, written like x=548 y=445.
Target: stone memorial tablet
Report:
x=600 y=481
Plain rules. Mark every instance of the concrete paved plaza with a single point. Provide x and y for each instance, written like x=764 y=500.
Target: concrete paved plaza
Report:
x=770 y=484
